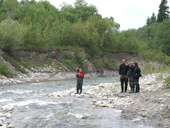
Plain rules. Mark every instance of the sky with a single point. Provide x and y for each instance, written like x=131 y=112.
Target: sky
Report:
x=129 y=14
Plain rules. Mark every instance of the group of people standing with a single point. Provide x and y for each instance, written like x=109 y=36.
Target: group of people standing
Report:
x=132 y=73
x=126 y=72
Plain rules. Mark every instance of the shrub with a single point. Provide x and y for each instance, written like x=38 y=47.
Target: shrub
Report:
x=167 y=81
x=80 y=60
x=4 y=71
x=110 y=64
x=11 y=34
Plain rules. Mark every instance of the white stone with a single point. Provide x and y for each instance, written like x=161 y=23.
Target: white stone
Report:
x=111 y=106
x=10 y=126
x=4 y=126
x=3 y=119
x=1 y=122
x=94 y=101
x=78 y=96
x=99 y=102
x=118 y=111
x=104 y=98
x=135 y=120
x=78 y=116
x=8 y=108
x=8 y=116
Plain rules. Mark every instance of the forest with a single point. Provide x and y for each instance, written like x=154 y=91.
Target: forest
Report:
x=33 y=25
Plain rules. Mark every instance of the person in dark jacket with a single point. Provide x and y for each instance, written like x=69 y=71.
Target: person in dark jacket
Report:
x=136 y=75
x=80 y=77
x=130 y=75
x=123 y=75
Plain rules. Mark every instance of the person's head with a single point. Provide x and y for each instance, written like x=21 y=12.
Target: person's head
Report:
x=135 y=64
x=124 y=61
x=80 y=70
x=77 y=67
x=132 y=63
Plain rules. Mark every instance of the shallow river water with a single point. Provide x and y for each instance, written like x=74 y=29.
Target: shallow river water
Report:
x=33 y=109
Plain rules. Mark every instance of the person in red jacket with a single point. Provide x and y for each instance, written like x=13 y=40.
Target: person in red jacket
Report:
x=80 y=77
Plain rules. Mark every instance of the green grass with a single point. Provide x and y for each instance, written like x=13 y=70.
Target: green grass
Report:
x=150 y=68
x=14 y=63
x=167 y=81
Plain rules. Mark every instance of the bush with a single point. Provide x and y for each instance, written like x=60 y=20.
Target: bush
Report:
x=110 y=64
x=4 y=71
x=167 y=81
x=98 y=63
x=80 y=60
x=11 y=34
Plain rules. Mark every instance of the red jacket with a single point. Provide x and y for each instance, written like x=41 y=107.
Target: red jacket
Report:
x=80 y=74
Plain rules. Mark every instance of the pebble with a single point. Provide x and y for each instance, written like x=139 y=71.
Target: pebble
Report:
x=10 y=126
x=118 y=111
x=136 y=120
x=5 y=112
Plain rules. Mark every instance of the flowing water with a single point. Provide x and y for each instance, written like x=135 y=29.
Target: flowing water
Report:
x=33 y=109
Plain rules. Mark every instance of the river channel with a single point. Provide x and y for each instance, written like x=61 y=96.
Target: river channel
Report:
x=34 y=109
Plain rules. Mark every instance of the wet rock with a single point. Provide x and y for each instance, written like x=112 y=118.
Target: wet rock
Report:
x=111 y=106
x=136 y=120
x=78 y=96
x=10 y=126
x=8 y=116
x=98 y=103
x=1 y=115
x=104 y=98
x=3 y=119
x=1 y=122
x=94 y=101
x=8 y=108
x=81 y=116
x=118 y=111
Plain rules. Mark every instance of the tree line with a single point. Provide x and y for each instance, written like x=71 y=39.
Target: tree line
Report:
x=33 y=25
x=29 y=24
x=154 y=37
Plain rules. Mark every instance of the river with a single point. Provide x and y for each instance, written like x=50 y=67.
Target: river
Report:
x=34 y=109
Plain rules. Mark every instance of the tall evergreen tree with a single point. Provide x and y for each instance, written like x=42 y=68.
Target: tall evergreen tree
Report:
x=163 y=11
x=148 y=22
x=153 y=18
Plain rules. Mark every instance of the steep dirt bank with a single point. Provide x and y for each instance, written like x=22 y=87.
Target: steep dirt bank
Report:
x=58 y=64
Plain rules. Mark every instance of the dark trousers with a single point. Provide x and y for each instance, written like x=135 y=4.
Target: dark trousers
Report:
x=136 y=83
x=131 y=83
x=79 y=84
x=124 y=79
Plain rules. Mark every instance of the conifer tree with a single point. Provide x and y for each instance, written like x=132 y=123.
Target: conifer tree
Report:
x=148 y=21
x=153 y=18
x=163 y=11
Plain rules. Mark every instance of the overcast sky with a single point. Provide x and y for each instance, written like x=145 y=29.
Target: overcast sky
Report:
x=128 y=13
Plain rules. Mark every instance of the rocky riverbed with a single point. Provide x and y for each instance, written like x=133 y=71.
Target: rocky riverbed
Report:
x=152 y=101
x=5 y=113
